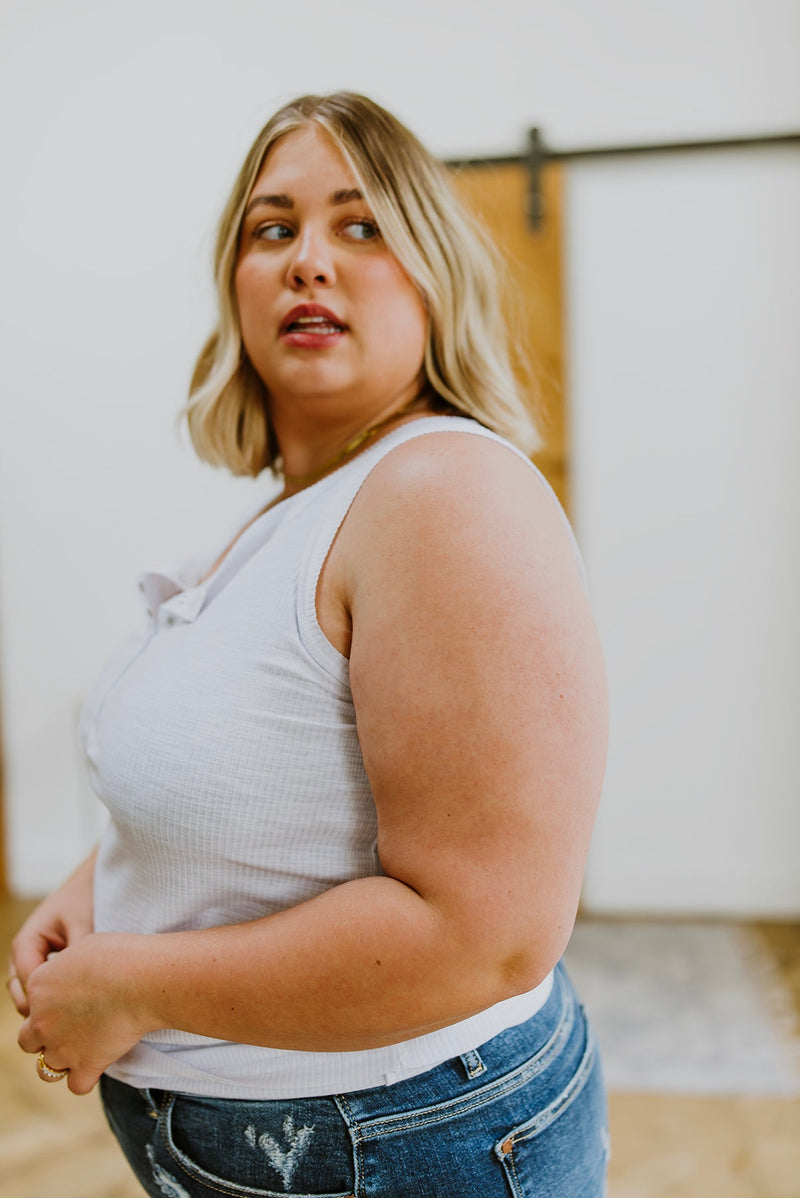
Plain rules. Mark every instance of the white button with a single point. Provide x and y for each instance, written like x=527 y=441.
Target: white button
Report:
x=141 y=586
x=170 y=620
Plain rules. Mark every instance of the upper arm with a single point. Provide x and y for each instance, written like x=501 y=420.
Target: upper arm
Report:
x=479 y=691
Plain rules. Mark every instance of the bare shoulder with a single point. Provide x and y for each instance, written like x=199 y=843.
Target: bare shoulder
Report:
x=465 y=500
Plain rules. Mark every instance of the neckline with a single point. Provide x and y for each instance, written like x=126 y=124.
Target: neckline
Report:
x=225 y=558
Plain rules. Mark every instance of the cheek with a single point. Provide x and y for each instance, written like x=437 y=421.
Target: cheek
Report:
x=252 y=292
x=399 y=308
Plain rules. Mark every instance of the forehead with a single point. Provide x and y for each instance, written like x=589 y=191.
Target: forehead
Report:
x=304 y=160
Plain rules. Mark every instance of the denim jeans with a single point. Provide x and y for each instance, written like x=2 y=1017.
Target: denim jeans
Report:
x=523 y=1116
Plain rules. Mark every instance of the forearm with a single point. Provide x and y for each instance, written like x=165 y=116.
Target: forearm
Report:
x=365 y=964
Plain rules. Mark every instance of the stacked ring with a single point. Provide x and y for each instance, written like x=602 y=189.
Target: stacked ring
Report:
x=47 y=1073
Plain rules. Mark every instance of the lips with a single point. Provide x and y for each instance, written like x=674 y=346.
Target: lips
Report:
x=312 y=320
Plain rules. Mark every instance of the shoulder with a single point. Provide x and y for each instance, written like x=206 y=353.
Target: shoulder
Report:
x=446 y=459
x=463 y=496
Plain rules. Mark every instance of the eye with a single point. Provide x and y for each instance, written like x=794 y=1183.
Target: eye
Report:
x=273 y=232
x=362 y=229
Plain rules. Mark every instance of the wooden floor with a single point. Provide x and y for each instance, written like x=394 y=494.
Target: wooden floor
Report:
x=54 y=1145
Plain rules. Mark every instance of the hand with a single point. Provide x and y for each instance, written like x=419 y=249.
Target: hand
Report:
x=60 y=921
x=79 y=1013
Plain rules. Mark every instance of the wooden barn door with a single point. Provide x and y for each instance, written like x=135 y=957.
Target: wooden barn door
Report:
x=498 y=195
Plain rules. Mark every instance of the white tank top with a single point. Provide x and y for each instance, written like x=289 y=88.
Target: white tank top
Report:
x=222 y=738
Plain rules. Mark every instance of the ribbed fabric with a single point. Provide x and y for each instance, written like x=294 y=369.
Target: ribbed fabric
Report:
x=222 y=739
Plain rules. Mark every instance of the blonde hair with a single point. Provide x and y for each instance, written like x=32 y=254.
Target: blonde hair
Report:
x=467 y=358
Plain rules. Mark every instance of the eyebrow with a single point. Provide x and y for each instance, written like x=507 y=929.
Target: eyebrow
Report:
x=281 y=200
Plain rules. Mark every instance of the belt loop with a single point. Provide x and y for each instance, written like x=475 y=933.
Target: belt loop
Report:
x=473 y=1064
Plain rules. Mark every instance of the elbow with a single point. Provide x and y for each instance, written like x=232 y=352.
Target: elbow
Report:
x=523 y=971
x=528 y=963
x=495 y=955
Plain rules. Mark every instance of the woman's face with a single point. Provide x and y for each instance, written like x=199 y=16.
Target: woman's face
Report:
x=330 y=320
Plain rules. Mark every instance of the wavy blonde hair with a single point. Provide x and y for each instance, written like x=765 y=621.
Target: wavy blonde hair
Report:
x=467 y=356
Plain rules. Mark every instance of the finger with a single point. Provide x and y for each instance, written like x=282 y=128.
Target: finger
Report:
x=49 y=1072
x=29 y=955
x=27 y=1039
x=82 y=1081
x=18 y=995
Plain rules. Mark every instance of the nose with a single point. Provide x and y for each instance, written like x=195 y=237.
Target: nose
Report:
x=311 y=261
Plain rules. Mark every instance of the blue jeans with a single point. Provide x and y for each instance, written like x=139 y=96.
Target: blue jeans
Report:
x=523 y=1116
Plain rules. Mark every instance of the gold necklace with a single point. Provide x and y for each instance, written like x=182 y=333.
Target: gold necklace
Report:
x=305 y=480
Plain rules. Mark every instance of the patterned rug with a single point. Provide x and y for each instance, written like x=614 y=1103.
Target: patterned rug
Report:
x=686 y=1008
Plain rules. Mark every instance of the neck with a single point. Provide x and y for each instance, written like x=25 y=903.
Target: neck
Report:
x=359 y=441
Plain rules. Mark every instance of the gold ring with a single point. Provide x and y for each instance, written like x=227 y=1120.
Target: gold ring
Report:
x=47 y=1073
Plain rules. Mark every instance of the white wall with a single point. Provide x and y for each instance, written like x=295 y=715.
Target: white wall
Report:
x=685 y=297
x=124 y=126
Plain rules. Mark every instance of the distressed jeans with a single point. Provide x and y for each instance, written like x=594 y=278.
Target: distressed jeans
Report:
x=522 y=1116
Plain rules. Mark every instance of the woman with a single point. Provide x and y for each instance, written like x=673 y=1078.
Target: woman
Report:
x=353 y=762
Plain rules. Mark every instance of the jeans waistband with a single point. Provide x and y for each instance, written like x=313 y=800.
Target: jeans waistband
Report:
x=508 y=1059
